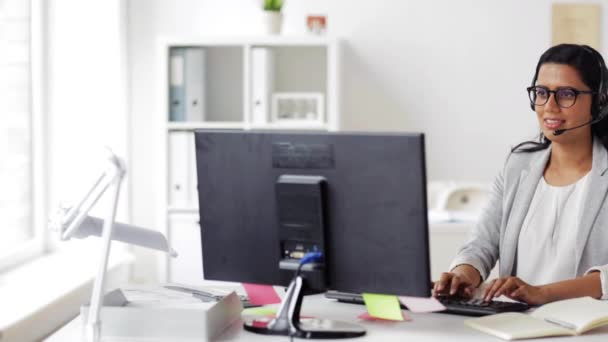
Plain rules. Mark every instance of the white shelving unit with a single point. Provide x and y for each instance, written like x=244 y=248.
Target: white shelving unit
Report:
x=231 y=82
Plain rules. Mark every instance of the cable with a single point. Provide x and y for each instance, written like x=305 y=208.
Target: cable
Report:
x=308 y=258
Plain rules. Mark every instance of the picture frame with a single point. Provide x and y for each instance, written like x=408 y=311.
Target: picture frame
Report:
x=298 y=108
x=316 y=24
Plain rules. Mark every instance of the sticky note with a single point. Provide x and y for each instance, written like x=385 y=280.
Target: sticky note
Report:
x=261 y=294
x=383 y=306
x=268 y=312
x=366 y=316
x=422 y=304
x=262 y=311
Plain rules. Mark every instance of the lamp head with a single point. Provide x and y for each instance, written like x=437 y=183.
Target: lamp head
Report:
x=118 y=165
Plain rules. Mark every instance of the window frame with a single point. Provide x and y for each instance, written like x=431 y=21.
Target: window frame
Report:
x=37 y=50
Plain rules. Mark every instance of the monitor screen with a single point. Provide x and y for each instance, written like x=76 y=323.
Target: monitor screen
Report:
x=375 y=212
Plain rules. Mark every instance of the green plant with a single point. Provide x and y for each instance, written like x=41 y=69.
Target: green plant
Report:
x=273 y=5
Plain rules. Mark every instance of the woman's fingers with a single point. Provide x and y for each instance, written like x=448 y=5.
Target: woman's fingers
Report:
x=449 y=283
x=511 y=284
x=456 y=281
x=519 y=293
x=502 y=286
x=468 y=291
x=442 y=283
x=453 y=284
x=492 y=288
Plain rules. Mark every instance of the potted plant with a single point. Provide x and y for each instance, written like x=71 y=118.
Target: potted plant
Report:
x=272 y=15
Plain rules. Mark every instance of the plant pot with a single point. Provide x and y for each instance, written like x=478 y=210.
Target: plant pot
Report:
x=272 y=21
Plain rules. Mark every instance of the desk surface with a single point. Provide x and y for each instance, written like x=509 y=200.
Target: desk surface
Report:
x=422 y=327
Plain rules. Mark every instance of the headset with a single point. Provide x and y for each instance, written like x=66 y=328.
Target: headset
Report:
x=600 y=103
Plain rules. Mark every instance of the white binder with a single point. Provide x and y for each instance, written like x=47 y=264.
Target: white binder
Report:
x=194 y=83
x=187 y=91
x=262 y=83
x=182 y=170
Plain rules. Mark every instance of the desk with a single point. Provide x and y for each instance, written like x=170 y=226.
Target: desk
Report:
x=423 y=327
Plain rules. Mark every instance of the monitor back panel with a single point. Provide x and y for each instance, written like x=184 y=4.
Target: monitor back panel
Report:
x=377 y=235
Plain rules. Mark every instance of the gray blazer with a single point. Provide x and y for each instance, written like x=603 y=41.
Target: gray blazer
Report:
x=495 y=235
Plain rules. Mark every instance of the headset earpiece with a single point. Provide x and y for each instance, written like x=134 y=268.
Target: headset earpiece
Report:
x=532 y=85
x=601 y=101
x=602 y=97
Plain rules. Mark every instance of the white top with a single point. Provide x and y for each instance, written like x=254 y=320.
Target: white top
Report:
x=545 y=249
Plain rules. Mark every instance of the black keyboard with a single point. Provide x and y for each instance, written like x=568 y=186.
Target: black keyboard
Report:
x=479 y=307
x=454 y=305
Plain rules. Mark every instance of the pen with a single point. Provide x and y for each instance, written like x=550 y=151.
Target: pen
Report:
x=203 y=295
x=205 y=298
x=561 y=323
x=208 y=296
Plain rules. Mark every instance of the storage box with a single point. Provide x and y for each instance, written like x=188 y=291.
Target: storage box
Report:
x=159 y=314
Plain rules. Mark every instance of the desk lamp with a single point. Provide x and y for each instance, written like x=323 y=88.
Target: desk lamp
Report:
x=75 y=222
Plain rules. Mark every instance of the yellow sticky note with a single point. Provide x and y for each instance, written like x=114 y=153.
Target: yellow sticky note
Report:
x=383 y=306
x=262 y=311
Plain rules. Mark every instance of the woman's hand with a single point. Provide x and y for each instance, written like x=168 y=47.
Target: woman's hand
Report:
x=462 y=281
x=516 y=289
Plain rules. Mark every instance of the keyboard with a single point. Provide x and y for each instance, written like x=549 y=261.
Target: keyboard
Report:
x=479 y=307
x=454 y=305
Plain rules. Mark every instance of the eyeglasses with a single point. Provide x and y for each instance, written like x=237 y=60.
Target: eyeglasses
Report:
x=564 y=97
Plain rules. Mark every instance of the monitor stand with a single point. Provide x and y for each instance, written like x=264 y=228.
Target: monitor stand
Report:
x=288 y=323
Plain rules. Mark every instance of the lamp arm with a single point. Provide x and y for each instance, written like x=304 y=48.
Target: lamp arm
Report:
x=93 y=325
x=69 y=221
x=77 y=214
x=73 y=211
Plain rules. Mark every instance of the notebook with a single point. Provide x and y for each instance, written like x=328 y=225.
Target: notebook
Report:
x=562 y=318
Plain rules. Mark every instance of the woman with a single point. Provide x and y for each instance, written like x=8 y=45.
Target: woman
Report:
x=547 y=218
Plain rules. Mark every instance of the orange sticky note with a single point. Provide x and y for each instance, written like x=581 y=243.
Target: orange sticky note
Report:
x=261 y=294
x=366 y=316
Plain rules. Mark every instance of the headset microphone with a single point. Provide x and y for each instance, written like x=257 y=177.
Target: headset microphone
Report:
x=599 y=118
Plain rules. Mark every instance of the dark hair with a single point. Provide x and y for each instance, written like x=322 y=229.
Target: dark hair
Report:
x=592 y=70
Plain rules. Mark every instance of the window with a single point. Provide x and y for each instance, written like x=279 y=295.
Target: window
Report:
x=21 y=234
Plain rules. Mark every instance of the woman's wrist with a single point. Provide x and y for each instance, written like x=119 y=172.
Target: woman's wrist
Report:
x=588 y=285
x=546 y=293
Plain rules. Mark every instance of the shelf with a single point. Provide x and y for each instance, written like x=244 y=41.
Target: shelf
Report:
x=190 y=126
x=233 y=83
x=291 y=125
x=176 y=210
x=274 y=40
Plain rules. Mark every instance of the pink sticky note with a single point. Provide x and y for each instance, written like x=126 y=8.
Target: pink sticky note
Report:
x=422 y=304
x=366 y=316
x=261 y=294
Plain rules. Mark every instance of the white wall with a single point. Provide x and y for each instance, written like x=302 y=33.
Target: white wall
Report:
x=456 y=70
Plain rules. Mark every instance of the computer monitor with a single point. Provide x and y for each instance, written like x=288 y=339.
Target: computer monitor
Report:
x=265 y=198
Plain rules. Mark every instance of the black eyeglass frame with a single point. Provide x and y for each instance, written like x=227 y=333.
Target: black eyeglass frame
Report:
x=549 y=91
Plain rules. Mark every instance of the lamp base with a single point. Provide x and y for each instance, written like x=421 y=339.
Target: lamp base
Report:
x=308 y=328
x=288 y=322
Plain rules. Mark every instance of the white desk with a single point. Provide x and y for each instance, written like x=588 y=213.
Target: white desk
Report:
x=423 y=327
